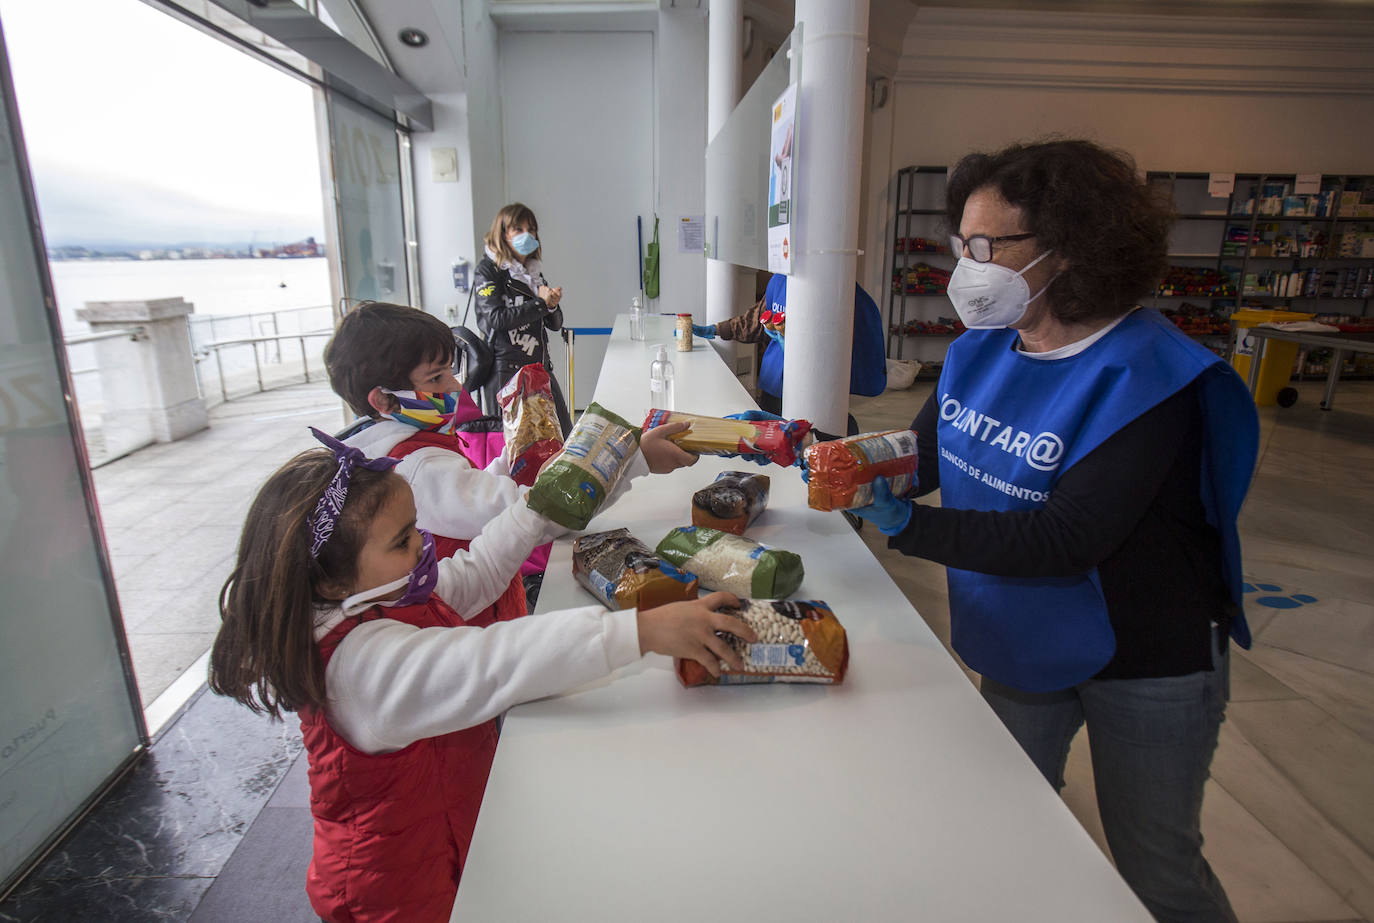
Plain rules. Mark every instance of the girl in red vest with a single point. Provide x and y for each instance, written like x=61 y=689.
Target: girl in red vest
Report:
x=338 y=608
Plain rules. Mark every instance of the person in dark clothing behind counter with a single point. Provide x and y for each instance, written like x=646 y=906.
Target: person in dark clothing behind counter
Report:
x=1092 y=461
x=515 y=305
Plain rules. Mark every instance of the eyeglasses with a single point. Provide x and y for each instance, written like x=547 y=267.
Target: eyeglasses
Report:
x=980 y=245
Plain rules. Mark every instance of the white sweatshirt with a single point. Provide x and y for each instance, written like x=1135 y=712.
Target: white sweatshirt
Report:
x=452 y=497
x=390 y=684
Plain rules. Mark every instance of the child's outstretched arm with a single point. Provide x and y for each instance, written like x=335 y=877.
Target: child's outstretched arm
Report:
x=390 y=683
x=688 y=630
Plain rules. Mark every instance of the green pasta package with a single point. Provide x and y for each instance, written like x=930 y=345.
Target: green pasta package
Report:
x=739 y=565
x=576 y=482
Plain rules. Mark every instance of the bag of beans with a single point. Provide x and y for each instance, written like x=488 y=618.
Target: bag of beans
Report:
x=623 y=573
x=841 y=472
x=780 y=441
x=739 y=565
x=800 y=641
x=530 y=420
x=577 y=480
x=732 y=501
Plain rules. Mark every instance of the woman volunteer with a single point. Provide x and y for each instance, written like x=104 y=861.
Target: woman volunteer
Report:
x=1092 y=461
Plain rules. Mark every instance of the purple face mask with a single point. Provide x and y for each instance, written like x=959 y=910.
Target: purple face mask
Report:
x=419 y=583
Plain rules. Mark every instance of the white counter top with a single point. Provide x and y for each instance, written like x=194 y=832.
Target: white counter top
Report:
x=895 y=796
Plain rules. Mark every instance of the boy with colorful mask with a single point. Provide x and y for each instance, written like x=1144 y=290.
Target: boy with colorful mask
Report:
x=394 y=364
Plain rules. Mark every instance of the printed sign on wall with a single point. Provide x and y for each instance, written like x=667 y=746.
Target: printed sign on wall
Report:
x=781 y=176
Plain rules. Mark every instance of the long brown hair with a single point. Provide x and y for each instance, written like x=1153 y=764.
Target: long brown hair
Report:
x=513 y=214
x=265 y=654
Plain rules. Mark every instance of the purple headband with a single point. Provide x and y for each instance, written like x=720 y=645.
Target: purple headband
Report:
x=330 y=507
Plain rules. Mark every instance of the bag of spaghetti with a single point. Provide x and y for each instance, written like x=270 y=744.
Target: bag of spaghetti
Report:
x=739 y=565
x=577 y=480
x=800 y=641
x=530 y=420
x=779 y=441
x=623 y=573
x=841 y=472
x=731 y=502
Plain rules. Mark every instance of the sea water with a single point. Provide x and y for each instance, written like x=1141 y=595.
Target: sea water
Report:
x=241 y=294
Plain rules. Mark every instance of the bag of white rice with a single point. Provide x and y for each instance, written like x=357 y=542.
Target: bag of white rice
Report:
x=800 y=641
x=577 y=480
x=733 y=563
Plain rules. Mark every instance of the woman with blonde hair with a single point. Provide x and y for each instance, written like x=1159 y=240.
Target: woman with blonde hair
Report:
x=515 y=304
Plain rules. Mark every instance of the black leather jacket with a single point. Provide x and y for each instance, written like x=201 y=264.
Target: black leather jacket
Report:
x=512 y=318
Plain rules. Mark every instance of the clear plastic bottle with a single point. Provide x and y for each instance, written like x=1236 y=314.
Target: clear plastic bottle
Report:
x=661 y=380
x=636 y=318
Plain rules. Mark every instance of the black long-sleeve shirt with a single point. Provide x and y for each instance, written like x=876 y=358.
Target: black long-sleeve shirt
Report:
x=1132 y=508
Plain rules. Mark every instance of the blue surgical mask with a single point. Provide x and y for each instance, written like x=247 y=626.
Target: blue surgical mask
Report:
x=773 y=335
x=525 y=243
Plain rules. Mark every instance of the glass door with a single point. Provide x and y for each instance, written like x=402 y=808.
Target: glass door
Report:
x=69 y=711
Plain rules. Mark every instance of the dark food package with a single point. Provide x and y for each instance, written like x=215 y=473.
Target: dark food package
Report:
x=800 y=641
x=622 y=572
x=731 y=502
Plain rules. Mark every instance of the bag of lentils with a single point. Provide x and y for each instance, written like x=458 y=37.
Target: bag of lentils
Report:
x=577 y=480
x=623 y=573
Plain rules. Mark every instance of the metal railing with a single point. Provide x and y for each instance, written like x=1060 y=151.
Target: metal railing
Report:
x=133 y=333
x=218 y=347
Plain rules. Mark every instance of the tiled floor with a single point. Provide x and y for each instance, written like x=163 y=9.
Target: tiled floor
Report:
x=1289 y=813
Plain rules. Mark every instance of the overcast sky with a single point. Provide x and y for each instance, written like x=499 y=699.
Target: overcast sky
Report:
x=141 y=128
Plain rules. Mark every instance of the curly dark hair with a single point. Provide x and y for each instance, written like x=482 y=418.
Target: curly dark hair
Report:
x=379 y=345
x=1086 y=204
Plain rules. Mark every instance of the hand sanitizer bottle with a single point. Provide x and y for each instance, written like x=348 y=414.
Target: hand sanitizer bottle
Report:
x=661 y=381
x=636 y=318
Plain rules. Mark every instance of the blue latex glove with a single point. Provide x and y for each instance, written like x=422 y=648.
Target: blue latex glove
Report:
x=705 y=331
x=753 y=416
x=886 y=512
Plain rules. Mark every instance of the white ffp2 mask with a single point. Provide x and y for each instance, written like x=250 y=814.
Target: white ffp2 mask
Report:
x=987 y=296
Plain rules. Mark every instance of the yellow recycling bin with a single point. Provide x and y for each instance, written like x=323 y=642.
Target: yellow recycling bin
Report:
x=1276 y=368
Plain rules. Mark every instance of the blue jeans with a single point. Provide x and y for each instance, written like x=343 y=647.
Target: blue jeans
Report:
x=1152 y=742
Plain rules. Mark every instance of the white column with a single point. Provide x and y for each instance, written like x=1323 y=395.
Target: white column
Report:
x=820 y=289
x=725 y=28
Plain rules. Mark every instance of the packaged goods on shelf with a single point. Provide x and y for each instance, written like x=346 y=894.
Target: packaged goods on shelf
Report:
x=921 y=279
x=731 y=502
x=799 y=641
x=530 y=421
x=919 y=245
x=622 y=572
x=577 y=480
x=739 y=565
x=1196 y=280
x=841 y=472
x=780 y=441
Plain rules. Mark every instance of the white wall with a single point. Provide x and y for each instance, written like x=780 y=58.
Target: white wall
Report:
x=680 y=79
x=443 y=210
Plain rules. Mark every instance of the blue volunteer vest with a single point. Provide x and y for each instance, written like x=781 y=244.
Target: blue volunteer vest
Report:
x=1010 y=425
x=867 y=358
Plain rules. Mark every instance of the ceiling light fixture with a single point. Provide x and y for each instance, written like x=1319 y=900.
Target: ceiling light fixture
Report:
x=413 y=37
